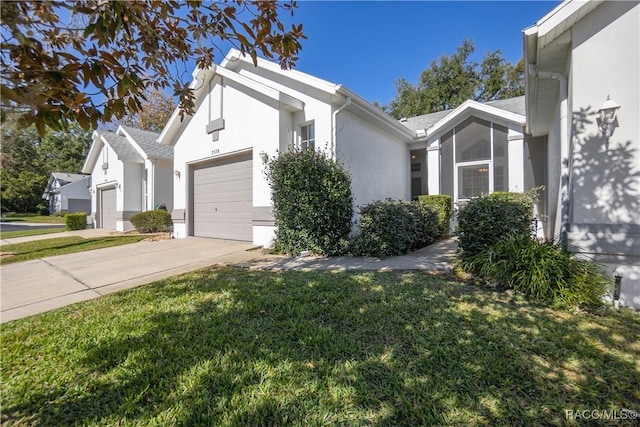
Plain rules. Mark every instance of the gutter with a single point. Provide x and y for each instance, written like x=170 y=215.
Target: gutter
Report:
x=334 y=127
x=564 y=146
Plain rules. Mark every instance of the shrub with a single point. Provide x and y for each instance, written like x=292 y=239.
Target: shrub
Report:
x=441 y=203
x=389 y=228
x=542 y=271
x=312 y=202
x=42 y=210
x=75 y=221
x=60 y=213
x=152 y=221
x=484 y=220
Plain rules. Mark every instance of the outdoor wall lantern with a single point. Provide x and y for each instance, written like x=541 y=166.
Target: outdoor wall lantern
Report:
x=177 y=173
x=607 y=117
x=264 y=157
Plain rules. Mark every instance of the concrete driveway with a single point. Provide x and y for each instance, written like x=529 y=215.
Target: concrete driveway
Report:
x=37 y=286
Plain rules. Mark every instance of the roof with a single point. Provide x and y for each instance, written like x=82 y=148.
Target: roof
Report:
x=228 y=69
x=123 y=149
x=511 y=105
x=148 y=142
x=66 y=178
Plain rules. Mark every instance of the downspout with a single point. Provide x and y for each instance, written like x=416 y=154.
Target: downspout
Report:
x=564 y=148
x=334 y=127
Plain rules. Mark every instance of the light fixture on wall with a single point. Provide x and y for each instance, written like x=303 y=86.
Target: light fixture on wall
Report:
x=607 y=117
x=264 y=157
x=177 y=173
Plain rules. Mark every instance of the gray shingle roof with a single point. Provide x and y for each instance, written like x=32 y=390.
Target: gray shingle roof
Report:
x=148 y=142
x=122 y=147
x=67 y=177
x=513 y=105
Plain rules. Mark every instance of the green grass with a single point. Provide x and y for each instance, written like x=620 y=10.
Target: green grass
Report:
x=25 y=233
x=27 y=217
x=232 y=347
x=63 y=245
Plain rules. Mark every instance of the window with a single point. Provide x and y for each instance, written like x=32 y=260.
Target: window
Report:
x=474 y=159
x=473 y=181
x=415 y=167
x=308 y=137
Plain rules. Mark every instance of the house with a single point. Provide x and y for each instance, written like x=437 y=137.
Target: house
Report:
x=68 y=192
x=583 y=63
x=245 y=114
x=130 y=173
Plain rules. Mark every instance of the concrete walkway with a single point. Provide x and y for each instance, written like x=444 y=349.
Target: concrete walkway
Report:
x=41 y=285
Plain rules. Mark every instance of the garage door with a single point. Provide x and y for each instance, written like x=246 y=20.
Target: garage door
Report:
x=108 y=209
x=222 y=199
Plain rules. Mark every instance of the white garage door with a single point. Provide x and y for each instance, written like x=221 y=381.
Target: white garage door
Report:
x=108 y=209
x=222 y=199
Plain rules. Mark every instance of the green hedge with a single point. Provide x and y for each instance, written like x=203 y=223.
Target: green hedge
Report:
x=442 y=205
x=152 y=221
x=390 y=228
x=484 y=220
x=312 y=202
x=75 y=221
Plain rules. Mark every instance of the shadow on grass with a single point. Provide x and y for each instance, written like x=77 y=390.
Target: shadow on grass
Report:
x=239 y=347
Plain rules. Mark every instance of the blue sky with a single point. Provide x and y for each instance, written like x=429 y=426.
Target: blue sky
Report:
x=368 y=45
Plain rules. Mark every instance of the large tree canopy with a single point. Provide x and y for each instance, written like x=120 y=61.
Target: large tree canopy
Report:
x=154 y=115
x=451 y=80
x=91 y=61
x=27 y=160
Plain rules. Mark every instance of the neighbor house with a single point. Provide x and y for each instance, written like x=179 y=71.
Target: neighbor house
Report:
x=68 y=192
x=130 y=173
x=583 y=65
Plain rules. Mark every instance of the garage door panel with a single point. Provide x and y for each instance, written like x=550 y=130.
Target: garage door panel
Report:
x=108 y=208
x=222 y=199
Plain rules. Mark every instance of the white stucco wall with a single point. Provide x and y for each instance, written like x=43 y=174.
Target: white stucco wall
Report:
x=163 y=184
x=605 y=190
x=251 y=122
x=606 y=62
x=379 y=163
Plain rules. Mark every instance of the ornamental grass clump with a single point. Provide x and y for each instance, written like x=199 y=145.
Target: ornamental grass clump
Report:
x=541 y=271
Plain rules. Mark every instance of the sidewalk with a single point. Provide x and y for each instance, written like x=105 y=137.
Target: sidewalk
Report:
x=436 y=257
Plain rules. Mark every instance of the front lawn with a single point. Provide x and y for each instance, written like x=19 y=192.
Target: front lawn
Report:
x=64 y=245
x=25 y=233
x=242 y=347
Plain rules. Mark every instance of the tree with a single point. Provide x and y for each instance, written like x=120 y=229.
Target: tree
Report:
x=154 y=115
x=91 y=61
x=28 y=159
x=451 y=80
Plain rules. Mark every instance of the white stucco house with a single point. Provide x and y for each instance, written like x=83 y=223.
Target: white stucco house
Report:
x=68 y=192
x=130 y=173
x=246 y=113
x=577 y=56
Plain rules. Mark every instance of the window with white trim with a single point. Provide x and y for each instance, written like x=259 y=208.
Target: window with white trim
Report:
x=308 y=136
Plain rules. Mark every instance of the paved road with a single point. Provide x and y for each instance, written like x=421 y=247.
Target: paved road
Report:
x=20 y=226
